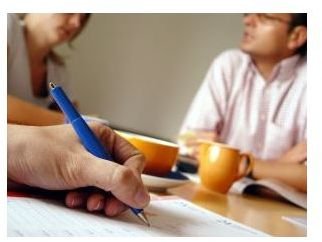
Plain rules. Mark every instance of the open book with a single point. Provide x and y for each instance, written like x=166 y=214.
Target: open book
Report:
x=270 y=188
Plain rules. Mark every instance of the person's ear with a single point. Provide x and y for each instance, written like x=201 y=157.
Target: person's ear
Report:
x=297 y=37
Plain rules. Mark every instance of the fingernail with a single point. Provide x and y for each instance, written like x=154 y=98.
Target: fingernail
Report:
x=76 y=201
x=141 y=197
x=99 y=206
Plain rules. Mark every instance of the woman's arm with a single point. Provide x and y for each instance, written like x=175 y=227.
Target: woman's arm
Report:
x=22 y=112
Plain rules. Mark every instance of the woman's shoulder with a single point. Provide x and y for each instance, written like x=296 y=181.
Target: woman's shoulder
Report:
x=14 y=28
x=13 y=22
x=12 y=18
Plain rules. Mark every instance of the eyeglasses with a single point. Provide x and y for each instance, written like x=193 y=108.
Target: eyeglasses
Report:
x=265 y=18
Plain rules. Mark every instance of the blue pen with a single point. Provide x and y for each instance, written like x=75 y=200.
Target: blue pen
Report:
x=85 y=134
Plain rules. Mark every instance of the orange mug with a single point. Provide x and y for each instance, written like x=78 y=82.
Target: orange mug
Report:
x=219 y=166
x=160 y=155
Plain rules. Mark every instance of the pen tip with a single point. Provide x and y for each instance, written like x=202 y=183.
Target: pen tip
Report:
x=144 y=218
x=52 y=85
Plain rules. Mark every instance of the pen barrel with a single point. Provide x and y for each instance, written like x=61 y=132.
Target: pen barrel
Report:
x=89 y=139
x=64 y=103
x=84 y=132
x=136 y=210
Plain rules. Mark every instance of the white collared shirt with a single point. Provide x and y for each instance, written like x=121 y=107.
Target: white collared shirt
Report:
x=265 y=117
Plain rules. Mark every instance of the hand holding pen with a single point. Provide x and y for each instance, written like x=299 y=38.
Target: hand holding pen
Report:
x=131 y=167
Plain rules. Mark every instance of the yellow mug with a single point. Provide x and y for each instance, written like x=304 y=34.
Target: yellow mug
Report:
x=160 y=155
x=219 y=165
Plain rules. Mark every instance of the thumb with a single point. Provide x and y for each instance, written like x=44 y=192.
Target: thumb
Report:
x=121 y=180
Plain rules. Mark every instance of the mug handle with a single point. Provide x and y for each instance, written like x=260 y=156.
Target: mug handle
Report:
x=248 y=159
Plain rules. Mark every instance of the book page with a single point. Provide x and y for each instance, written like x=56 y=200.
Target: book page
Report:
x=239 y=186
x=168 y=217
x=285 y=191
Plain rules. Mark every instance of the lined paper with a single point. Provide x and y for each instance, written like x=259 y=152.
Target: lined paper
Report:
x=170 y=217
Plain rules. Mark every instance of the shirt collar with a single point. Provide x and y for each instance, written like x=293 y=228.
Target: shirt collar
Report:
x=283 y=70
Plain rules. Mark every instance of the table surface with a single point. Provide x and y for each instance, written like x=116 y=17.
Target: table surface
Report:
x=259 y=213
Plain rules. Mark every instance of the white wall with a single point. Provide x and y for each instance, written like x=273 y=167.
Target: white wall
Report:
x=141 y=71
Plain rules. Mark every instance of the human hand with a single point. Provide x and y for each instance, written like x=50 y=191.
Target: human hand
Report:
x=53 y=158
x=296 y=154
x=189 y=142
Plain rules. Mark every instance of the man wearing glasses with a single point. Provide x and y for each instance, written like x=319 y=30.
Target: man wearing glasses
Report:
x=254 y=98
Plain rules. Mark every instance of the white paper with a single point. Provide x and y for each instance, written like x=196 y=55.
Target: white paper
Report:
x=172 y=217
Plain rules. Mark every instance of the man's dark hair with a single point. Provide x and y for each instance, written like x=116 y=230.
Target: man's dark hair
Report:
x=299 y=19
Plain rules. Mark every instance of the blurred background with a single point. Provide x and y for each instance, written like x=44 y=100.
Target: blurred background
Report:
x=141 y=71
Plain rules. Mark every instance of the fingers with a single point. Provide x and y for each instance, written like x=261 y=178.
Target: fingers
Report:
x=76 y=199
x=129 y=188
x=122 y=151
x=114 y=207
x=95 y=202
x=105 y=202
x=124 y=182
x=191 y=140
x=296 y=154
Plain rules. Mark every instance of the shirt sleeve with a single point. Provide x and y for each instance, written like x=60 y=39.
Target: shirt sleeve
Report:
x=207 y=110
